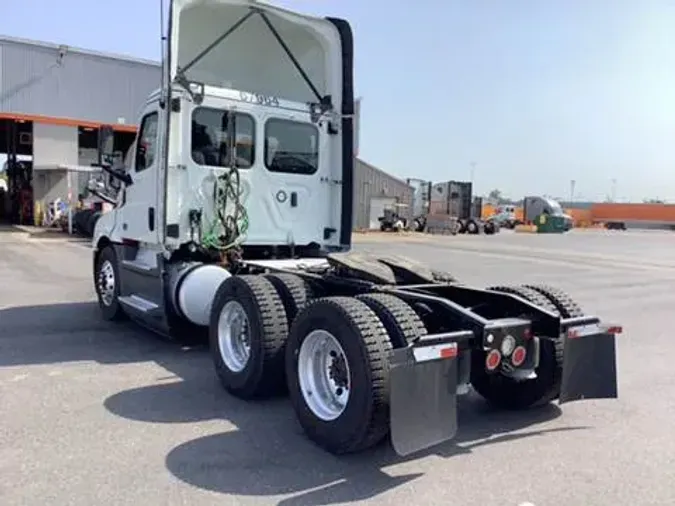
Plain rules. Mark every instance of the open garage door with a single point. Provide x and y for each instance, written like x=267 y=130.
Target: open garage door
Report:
x=377 y=205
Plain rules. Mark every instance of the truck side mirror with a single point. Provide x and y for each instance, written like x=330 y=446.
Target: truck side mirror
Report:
x=106 y=142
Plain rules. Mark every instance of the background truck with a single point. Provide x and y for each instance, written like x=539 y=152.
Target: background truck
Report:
x=505 y=216
x=392 y=219
x=233 y=223
x=455 y=198
x=554 y=218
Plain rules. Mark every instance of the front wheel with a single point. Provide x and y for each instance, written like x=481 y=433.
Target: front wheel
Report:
x=336 y=368
x=108 y=285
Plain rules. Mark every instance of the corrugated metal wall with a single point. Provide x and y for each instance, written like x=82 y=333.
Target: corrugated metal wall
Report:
x=369 y=181
x=83 y=86
x=52 y=145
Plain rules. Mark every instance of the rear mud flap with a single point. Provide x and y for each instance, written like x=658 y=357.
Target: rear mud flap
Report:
x=423 y=400
x=589 y=368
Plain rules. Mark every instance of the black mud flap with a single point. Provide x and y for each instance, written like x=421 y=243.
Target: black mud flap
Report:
x=589 y=366
x=423 y=397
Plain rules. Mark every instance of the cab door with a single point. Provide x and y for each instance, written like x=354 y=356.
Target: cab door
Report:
x=295 y=163
x=282 y=168
x=138 y=215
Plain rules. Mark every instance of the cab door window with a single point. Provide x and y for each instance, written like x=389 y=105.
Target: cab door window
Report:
x=212 y=131
x=291 y=146
x=146 y=148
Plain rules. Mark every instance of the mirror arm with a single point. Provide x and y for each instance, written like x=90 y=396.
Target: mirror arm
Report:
x=122 y=176
x=103 y=196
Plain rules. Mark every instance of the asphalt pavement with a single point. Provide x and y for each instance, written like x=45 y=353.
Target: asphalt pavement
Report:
x=109 y=414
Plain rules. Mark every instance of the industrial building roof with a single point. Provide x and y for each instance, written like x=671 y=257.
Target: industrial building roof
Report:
x=88 y=52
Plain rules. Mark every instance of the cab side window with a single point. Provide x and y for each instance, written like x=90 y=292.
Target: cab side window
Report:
x=146 y=147
x=291 y=147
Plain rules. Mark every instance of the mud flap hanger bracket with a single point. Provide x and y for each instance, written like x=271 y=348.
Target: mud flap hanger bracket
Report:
x=317 y=109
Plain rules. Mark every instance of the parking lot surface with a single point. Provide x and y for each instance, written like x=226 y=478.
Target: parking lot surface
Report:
x=109 y=414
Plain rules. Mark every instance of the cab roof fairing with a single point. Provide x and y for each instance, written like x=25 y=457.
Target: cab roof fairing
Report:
x=251 y=58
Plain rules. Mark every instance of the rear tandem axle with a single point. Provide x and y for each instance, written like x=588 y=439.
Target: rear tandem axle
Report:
x=408 y=347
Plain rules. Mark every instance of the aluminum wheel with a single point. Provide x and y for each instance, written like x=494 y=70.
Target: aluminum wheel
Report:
x=324 y=376
x=106 y=283
x=234 y=336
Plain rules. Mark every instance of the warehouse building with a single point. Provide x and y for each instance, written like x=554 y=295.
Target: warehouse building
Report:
x=54 y=98
x=374 y=190
x=52 y=101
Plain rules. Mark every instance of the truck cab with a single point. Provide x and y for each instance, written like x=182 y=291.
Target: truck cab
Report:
x=259 y=95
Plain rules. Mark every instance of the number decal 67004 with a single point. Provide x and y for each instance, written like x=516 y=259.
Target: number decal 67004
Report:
x=260 y=99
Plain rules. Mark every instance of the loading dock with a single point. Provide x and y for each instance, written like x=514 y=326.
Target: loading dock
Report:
x=39 y=154
x=16 y=195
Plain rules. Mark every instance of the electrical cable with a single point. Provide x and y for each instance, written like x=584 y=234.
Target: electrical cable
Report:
x=228 y=229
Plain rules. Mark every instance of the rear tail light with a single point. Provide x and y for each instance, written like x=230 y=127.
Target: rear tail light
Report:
x=518 y=356
x=493 y=360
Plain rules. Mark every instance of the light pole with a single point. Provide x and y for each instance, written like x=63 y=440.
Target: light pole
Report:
x=613 y=193
x=572 y=185
x=473 y=171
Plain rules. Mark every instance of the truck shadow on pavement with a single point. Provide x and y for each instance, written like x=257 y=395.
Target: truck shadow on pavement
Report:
x=54 y=333
x=263 y=452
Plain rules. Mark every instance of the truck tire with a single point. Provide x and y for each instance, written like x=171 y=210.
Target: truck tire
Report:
x=402 y=323
x=507 y=393
x=335 y=417
x=443 y=277
x=472 y=227
x=461 y=226
x=247 y=333
x=107 y=285
x=565 y=305
x=295 y=293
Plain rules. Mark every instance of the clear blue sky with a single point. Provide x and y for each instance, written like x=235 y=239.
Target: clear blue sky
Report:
x=535 y=92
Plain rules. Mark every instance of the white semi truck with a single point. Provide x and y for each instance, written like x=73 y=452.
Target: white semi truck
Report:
x=233 y=221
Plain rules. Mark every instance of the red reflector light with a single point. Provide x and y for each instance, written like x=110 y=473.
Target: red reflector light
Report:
x=493 y=360
x=449 y=352
x=518 y=356
x=616 y=329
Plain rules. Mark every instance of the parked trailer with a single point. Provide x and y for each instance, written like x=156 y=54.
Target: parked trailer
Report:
x=254 y=251
x=618 y=216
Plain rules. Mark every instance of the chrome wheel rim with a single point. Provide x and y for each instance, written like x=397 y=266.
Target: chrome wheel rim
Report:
x=324 y=375
x=106 y=283
x=234 y=336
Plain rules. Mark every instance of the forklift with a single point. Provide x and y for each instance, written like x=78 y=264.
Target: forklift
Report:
x=392 y=221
